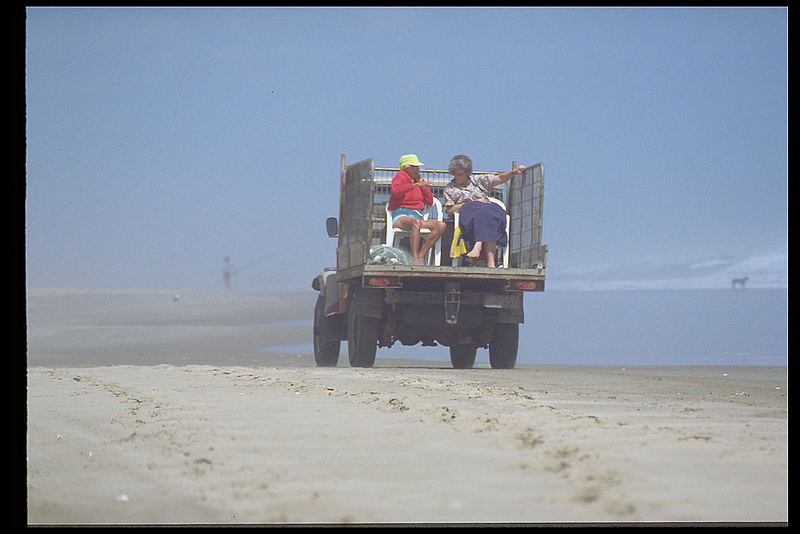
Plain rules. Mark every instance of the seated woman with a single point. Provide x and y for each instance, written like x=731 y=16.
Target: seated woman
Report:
x=483 y=223
x=410 y=194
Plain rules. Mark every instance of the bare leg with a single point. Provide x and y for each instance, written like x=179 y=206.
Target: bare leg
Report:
x=491 y=248
x=412 y=226
x=436 y=230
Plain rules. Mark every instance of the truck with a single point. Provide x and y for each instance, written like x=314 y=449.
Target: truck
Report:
x=447 y=301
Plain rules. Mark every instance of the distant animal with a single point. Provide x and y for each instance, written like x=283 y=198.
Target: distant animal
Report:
x=739 y=281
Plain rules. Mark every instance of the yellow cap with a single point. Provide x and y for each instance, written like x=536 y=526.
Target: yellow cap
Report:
x=410 y=159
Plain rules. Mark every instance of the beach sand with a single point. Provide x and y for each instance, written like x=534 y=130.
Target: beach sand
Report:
x=146 y=409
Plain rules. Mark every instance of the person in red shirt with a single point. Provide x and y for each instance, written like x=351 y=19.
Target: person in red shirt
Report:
x=410 y=194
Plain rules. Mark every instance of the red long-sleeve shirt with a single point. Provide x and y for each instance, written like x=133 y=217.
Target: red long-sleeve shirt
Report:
x=407 y=195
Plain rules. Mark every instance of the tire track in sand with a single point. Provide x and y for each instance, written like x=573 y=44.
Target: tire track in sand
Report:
x=538 y=436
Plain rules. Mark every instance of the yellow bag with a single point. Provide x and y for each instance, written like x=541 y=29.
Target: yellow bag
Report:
x=457 y=247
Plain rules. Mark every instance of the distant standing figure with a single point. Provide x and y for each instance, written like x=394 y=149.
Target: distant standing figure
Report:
x=228 y=271
x=739 y=281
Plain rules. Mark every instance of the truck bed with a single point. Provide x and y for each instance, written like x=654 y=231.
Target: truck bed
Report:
x=445 y=272
x=364 y=193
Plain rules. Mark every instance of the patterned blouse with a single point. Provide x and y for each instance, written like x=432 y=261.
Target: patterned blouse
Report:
x=477 y=187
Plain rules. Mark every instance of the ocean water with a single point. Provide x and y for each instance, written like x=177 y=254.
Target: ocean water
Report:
x=656 y=327
x=637 y=327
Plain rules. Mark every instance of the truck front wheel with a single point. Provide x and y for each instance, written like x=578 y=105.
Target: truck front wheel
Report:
x=326 y=353
x=362 y=338
x=503 y=346
x=462 y=356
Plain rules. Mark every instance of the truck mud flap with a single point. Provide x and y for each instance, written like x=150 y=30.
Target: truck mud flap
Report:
x=368 y=302
x=509 y=306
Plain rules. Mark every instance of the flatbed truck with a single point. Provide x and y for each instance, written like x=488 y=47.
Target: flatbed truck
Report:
x=463 y=307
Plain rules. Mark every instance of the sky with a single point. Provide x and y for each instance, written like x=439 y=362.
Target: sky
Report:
x=160 y=140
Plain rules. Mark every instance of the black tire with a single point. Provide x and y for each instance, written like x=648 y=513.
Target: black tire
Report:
x=503 y=346
x=326 y=353
x=462 y=356
x=362 y=337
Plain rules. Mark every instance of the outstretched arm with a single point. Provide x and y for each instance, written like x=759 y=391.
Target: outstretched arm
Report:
x=503 y=177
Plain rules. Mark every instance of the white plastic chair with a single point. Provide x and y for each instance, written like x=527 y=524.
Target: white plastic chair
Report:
x=392 y=234
x=508 y=226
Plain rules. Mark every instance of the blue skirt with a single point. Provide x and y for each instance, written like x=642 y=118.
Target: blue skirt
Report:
x=482 y=221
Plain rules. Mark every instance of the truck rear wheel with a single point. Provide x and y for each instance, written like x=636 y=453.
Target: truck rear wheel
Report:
x=362 y=338
x=326 y=353
x=503 y=346
x=462 y=356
